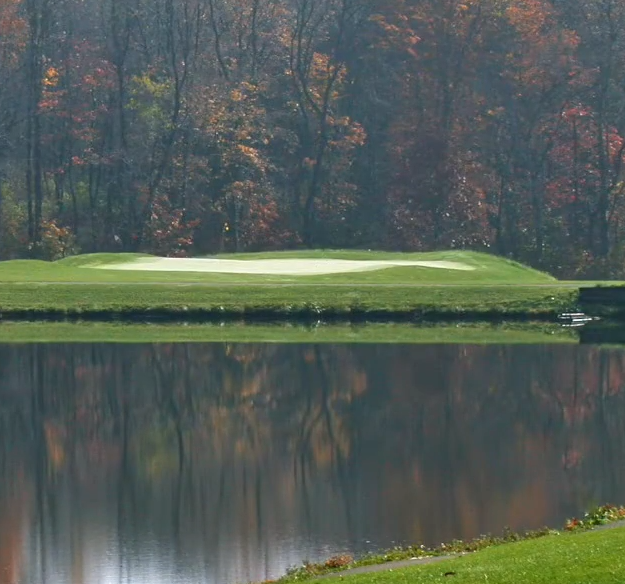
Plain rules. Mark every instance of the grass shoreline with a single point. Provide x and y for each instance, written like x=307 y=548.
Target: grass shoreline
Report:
x=455 y=332
x=599 y=517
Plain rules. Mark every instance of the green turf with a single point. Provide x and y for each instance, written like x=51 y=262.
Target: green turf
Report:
x=95 y=260
x=479 y=333
x=578 y=558
x=89 y=268
x=79 y=285
x=284 y=300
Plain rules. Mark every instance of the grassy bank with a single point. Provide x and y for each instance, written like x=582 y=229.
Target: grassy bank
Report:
x=83 y=287
x=291 y=302
x=574 y=555
x=468 y=333
x=588 y=558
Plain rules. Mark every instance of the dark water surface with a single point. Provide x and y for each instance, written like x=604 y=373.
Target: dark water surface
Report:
x=225 y=463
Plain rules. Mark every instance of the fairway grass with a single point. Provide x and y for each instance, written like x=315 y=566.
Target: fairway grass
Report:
x=467 y=333
x=81 y=286
x=486 y=269
x=594 y=557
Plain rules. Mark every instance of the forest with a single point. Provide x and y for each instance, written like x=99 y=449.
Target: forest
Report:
x=183 y=127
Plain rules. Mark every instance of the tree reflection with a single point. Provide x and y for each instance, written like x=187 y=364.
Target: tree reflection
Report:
x=229 y=462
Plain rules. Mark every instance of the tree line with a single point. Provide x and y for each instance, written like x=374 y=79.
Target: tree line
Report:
x=196 y=126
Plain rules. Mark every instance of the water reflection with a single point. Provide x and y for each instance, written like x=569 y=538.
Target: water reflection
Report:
x=229 y=463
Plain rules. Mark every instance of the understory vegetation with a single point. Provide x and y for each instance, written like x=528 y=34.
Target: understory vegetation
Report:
x=180 y=127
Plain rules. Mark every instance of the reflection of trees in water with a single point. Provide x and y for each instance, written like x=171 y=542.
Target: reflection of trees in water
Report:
x=229 y=448
x=510 y=435
x=189 y=434
x=14 y=510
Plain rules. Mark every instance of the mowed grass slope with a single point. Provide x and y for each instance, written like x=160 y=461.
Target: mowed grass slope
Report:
x=579 y=558
x=282 y=301
x=92 y=268
x=79 y=286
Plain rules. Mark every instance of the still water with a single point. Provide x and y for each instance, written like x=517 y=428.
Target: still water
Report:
x=228 y=463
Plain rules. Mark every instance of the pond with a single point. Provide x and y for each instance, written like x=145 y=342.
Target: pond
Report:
x=226 y=463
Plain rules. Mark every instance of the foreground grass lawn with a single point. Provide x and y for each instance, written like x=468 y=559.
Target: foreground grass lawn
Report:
x=369 y=333
x=596 y=557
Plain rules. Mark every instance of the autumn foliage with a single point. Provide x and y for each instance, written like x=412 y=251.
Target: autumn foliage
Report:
x=264 y=124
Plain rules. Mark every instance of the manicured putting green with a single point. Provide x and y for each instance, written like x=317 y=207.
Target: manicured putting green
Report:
x=86 y=285
x=332 y=267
